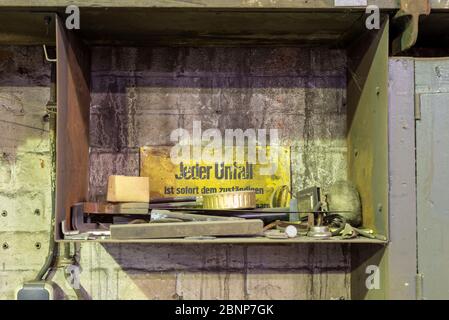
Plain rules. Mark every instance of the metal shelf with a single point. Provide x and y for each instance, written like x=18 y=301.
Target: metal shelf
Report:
x=237 y=241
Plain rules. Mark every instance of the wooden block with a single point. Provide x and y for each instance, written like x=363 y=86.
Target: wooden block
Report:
x=187 y=229
x=128 y=189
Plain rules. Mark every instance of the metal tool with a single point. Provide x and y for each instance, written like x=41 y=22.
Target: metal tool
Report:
x=275 y=234
x=81 y=230
x=78 y=222
x=320 y=232
x=285 y=211
x=183 y=216
x=168 y=205
x=309 y=200
x=173 y=202
x=173 y=199
x=86 y=235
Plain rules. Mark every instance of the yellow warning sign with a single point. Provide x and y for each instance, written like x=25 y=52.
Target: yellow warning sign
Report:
x=170 y=178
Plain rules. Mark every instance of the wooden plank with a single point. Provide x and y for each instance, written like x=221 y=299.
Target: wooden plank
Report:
x=73 y=101
x=116 y=208
x=187 y=229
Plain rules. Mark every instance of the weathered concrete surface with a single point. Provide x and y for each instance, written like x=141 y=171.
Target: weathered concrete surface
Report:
x=215 y=272
x=140 y=95
x=25 y=165
x=301 y=91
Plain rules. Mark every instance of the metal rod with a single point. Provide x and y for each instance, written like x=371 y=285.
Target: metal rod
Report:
x=53 y=247
x=46 y=55
x=260 y=211
x=174 y=199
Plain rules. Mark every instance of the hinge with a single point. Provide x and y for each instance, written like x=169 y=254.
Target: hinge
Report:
x=417 y=107
x=419 y=286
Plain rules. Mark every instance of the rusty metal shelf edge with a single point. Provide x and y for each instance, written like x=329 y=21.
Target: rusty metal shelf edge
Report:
x=236 y=241
x=206 y=4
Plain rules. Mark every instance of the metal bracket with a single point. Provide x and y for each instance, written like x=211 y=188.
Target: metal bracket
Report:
x=408 y=19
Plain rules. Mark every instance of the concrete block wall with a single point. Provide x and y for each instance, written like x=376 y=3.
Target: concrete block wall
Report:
x=25 y=165
x=215 y=271
x=140 y=95
x=126 y=114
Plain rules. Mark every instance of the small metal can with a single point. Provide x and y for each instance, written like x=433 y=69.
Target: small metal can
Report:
x=230 y=200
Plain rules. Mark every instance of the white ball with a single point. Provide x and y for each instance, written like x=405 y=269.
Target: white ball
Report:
x=291 y=231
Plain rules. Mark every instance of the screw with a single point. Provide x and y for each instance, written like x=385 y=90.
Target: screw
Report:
x=4 y=213
x=38 y=245
x=37 y=212
x=5 y=245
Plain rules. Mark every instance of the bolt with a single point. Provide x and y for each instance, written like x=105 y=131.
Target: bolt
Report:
x=378 y=91
x=379 y=207
x=38 y=245
x=37 y=212
x=4 y=213
x=47 y=19
x=5 y=245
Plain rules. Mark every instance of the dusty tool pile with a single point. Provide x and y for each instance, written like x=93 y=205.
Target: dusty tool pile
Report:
x=129 y=214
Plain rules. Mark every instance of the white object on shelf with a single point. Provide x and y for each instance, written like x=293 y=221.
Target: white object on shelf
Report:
x=291 y=231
